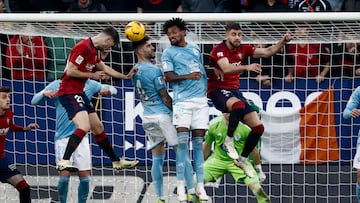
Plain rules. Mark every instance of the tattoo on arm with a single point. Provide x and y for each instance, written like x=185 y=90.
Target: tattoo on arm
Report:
x=166 y=98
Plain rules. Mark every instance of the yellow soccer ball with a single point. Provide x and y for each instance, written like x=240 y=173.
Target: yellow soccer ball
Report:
x=135 y=31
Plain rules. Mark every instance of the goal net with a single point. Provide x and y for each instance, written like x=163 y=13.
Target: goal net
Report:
x=306 y=150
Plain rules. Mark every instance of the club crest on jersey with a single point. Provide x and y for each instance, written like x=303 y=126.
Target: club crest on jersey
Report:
x=79 y=60
x=219 y=54
x=161 y=80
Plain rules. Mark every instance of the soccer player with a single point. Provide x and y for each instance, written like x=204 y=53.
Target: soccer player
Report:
x=81 y=158
x=219 y=163
x=8 y=172
x=182 y=66
x=84 y=57
x=228 y=56
x=156 y=121
x=352 y=110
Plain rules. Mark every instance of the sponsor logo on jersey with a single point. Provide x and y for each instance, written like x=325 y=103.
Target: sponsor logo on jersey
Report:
x=220 y=54
x=4 y=131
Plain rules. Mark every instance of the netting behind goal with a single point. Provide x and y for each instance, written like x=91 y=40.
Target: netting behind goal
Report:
x=301 y=165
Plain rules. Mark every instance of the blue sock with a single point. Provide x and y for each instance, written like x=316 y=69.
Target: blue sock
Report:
x=63 y=187
x=157 y=173
x=358 y=191
x=182 y=155
x=189 y=174
x=198 y=158
x=83 y=189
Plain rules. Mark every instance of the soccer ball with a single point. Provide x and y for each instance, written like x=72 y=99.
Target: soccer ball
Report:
x=135 y=31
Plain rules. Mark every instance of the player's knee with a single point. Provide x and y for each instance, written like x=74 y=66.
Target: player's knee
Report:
x=183 y=138
x=239 y=105
x=258 y=130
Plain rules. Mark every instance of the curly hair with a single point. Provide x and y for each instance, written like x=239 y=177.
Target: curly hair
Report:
x=174 y=22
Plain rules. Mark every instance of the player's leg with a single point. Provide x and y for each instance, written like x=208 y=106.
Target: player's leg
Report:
x=75 y=106
x=158 y=155
x=104 y=143
x=82 y=160
x=63 y=185
x=22 y=186
x=356 y=165
x=224 y=100
x=182 y=120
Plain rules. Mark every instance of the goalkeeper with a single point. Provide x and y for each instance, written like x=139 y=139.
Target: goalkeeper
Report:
x=220 y=163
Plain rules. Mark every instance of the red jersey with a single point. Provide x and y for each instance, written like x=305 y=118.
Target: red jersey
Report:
x=237 y=57
x=31 y=62
x=84 y=55
x=6 y=125
x=307 y=59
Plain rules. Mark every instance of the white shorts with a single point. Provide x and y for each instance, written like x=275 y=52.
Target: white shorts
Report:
x=81 y=158
x=356 y=162
x=192 y=114
x=159 y=128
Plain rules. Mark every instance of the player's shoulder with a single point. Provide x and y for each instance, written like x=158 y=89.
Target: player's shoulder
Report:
x=9 y=113
x=216 y=120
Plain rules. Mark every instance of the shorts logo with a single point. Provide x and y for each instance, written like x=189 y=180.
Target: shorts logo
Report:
x=12 y=167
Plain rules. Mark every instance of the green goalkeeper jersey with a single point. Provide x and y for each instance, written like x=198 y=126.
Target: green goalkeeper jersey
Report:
x=217 y=133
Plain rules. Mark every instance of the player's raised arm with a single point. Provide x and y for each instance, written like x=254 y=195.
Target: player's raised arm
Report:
x=269 y=51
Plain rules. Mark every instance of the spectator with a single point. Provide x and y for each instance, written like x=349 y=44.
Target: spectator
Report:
x=271 y=6
x=34 y=6
x=346 y=59
x=26 y=57
x=89 y=6
x=307 y=60
x=313 y=5
x=352 y=5
x=4 y=39
x=203 y=6
x=164 y=6
x=238 y=6
x=116 y=6
x=58 y=51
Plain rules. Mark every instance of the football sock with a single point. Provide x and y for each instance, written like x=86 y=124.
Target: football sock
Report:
x=182 y=154
x=105 y=145
x=63 y=187
x=73 y=142
x=157 y=173
x=252 y=140
x=83 y=189
x=235 y=116
x=358 y=191
x=198 y=158
x=24 y=191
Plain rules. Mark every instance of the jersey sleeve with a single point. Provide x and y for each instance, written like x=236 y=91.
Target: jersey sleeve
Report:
x=166 y=61
x=39 y=97
x=159 y=82
x=13 y=127
x=209 y=136
x=353 y=103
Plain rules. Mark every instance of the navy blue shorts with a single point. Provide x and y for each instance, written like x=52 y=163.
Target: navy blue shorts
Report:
x=219 y=98
x=74 y=103
x=7 y=170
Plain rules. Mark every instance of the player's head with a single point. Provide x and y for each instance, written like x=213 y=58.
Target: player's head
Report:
x=5 y=97
x=175 y=29
x=233 y=35
x=108 y=38
x=144 y=49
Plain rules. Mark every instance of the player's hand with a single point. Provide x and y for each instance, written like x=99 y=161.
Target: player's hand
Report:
x=50 y=94
x=131 y=73
x=319 y=78
x=195 y=76
x=98 y=75
x=289 y=78
x=31 y=126
x=287 y=38
x=255 y=67
x=260 y=173
x=105 y=92
x=219 y=74
x=355 y=113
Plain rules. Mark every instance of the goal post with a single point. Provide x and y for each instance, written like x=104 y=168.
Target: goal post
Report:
x=304 y=160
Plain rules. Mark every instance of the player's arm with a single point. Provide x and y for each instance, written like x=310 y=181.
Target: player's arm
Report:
x=16 y=128
x=108 y=90
x=113 y=73
x=165 y=97
x=72 y=70
x=229 y=68
x=351 y=109
x=48 y=92
x=170 y=76
x=271 y=50
x=206 y=150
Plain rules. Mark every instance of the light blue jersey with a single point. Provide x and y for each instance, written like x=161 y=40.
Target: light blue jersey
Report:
x=64 y=126
x=183 y=61
x=148 y=80
x=353 y=103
